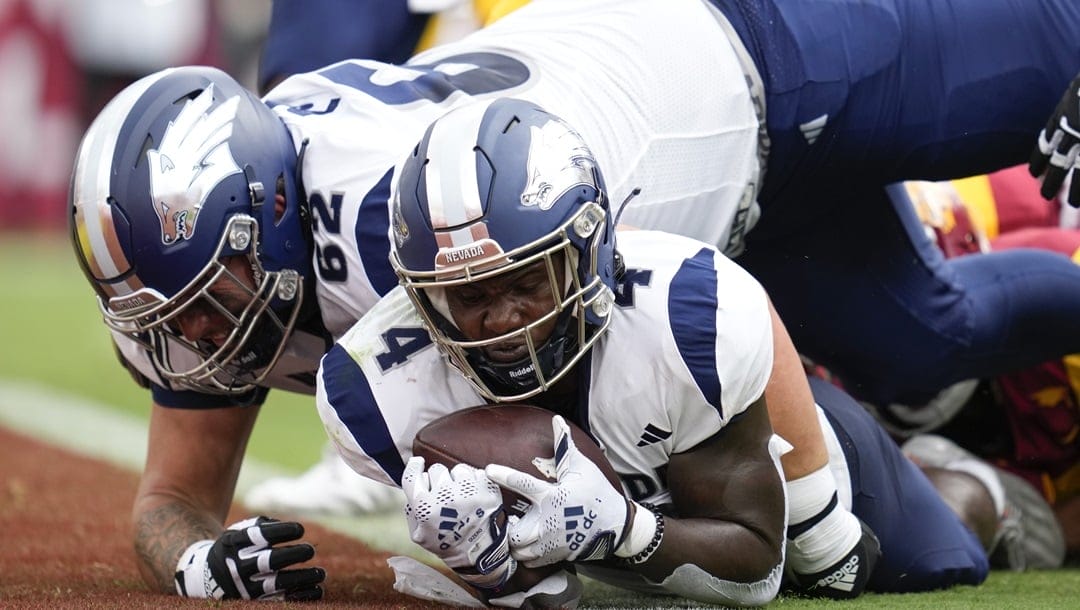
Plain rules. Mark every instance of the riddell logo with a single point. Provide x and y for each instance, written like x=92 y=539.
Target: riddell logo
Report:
x=843 y=578
x=523 y=371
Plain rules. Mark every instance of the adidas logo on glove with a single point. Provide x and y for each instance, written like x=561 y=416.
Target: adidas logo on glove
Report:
x=843 y=578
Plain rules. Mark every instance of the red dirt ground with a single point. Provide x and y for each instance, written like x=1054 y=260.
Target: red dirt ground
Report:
x=65 y=542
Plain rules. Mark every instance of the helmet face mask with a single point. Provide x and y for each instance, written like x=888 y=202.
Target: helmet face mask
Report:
x=257 y=317
x=170 y=182
x=569 y=236
x=551 y=355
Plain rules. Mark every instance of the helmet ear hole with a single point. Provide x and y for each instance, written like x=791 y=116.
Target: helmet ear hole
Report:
x=190 y=95
x=281 y=200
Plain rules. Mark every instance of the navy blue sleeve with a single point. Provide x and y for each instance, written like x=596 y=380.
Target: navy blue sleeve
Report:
x=308 y=34
x=350 y=395
x=692 y=305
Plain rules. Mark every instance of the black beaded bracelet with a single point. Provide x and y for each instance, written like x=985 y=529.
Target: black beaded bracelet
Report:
x=654 y=544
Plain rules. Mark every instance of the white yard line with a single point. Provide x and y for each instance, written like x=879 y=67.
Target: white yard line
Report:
x=98 y=431
x=92 y=429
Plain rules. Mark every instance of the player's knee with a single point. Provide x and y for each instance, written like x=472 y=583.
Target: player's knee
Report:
x=969 y=499
x=940 y=569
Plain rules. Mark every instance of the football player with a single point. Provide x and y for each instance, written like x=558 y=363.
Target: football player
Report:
x=816 y=99
x=901 y=323
x=660 y=347
x=1024 y=422
x=230 y=238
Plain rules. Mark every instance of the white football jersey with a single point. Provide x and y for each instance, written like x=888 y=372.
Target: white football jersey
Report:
x=688 y=348
x=655 y=88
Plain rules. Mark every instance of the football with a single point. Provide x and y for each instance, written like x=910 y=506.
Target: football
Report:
x=511 y=435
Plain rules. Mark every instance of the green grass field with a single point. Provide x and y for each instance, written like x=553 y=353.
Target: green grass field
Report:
x=52 y=335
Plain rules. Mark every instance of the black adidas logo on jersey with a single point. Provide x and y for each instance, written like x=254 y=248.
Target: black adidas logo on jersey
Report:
x=652 y=435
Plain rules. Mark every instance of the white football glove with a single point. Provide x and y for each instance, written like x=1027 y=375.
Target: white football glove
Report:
x=243 y=563
x=580 y=517
x=458 y=515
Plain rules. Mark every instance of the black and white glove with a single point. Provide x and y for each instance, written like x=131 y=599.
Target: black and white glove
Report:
x=845 y=579
x=1057 y=152
x=579 y=517
x=244 y=563
x=457 y=514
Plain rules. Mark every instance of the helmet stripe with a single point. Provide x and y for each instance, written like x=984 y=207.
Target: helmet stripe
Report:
x=90 y=187
x=94 y=228
x=452 y=193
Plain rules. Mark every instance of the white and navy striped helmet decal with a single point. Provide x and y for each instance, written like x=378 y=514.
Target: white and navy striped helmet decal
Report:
x=450 y=192
x=92 y=216
x=486 y=179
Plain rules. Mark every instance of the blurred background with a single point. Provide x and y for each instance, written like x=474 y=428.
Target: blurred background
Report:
x=60 y=62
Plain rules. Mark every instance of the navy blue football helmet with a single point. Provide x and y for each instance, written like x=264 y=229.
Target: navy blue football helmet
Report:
x=181 y=169
x=491 y=188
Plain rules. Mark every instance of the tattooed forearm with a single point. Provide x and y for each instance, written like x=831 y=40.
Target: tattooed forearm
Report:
x=162 y=534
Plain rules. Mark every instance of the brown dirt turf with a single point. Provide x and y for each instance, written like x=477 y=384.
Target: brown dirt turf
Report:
x=65 y=542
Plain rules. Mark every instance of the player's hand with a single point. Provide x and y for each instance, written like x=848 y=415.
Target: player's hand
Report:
x=1058 y=149
x=846 y=578
x=458 y=515
x=245 y=563
x=579 y=517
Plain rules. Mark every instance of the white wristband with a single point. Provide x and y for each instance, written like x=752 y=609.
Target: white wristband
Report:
x=810 y=494
x=640 y=535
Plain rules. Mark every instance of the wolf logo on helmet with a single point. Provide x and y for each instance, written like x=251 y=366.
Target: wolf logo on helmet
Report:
x=193 y=158
x=551 y=175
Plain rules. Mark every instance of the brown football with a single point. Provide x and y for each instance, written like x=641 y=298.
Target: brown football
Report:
x=511 y=435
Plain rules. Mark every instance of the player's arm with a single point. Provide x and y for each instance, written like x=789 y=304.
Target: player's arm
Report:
x=192 y=464
x=826 y=534
x=724 y=545
x=791 y=407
